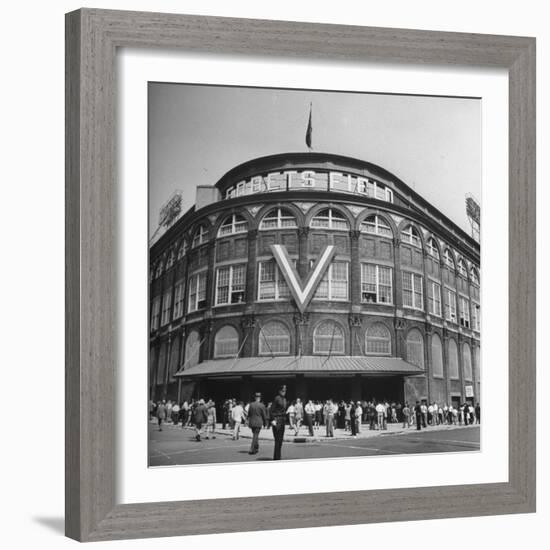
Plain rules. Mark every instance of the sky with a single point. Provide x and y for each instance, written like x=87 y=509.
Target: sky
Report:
x=197 y=133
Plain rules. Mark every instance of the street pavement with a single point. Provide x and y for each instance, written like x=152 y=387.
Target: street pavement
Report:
x=175 y=445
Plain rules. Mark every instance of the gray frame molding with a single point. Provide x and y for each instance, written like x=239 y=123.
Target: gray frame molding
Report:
x=92 y=37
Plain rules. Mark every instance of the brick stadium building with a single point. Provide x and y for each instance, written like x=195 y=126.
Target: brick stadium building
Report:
x=391 y=311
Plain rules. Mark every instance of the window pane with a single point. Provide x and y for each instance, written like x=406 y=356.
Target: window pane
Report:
x=378 y=340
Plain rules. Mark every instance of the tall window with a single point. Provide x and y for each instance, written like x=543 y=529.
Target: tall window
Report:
x=376 y=284
x=453 y=360
x=476 y=317
x=462 y=268
x=334 y=284
x=434 y=298
x=376 y=225
x=158 y=270
x=474 y=276
x=450 y=305
x=448 y=258
x=233 y=224
x=477 y=369
x=274 y=339
x=230 y=284
x=415 y=347
x=411 y=236
x=271 y=283
x=328 y=339
x=437 y=356
x=166 y=304
x=330 y=219
x=278 y=218
x=171 y=260
x=226 y=342
x=412 y=290
x=378 y=340
x=200 y=237
x=464 y=310
x=155 y=313
x=433 y=251
x=182 y=250
x=197 y=291
x=192 y=350
x=467 y=362
x=179 y=297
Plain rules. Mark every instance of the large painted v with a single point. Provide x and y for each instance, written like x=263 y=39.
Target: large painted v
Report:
x=301 y=292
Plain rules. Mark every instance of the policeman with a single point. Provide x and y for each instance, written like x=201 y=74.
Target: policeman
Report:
x=277 y=414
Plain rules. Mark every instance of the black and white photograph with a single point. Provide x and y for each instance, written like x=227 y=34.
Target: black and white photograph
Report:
x=314 y=274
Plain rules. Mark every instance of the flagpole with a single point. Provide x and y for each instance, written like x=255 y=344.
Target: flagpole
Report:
x=309 y=131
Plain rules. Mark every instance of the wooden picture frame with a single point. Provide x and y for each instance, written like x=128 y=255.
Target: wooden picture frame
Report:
x=92 y=39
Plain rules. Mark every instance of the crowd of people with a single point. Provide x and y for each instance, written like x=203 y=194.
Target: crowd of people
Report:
x=350 y=416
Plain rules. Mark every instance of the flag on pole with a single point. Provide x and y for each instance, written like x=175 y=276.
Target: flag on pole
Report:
x=309 y=130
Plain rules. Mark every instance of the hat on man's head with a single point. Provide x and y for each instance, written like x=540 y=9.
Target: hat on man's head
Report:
x=257 y=394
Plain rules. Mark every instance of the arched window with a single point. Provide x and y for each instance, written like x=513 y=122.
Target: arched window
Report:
x=415 y=347
x=462 y=268
x=448 y=257
x=274 y=339
x=158 y=270
x=474 y=276
x=226 y=342
x=378 y=340
x=233 y=224
x=433 y=251
x=192 y=350
x=182 y=250
x=171 y=259
x=467 y=361
x=278 y=218
x=377 y=225
x=437 y=356
x=330 y=219
x=411 y=236
x=453 y=360
x=200 y=237
x=328 y=339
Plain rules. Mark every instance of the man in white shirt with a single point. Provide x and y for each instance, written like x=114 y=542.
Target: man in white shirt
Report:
x=381 y=412
x=237 y=415
x=358 y=417
x=310 y=415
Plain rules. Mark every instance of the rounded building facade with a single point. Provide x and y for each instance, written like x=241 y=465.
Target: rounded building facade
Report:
x=323 y=272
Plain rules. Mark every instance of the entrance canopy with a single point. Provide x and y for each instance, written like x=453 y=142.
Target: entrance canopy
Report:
x=313 y=364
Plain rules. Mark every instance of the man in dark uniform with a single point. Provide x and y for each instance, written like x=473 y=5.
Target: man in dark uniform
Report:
x=418 y=414
x=277 y=414
x=257 y=419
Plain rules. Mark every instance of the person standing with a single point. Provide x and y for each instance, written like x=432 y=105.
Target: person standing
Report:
x=478 y=414
x=310 y=415
x=257 y=419
x=329 y=411
x=381 y=412
x=211 y=419
x=161 y=414
x=424 y=414
x=291 y=412
x=352 y=418
x=318 y=414
x=175 y=414
x=406 y=412
x=237 y=415
x=299 y=409
x=277 y=414
x=419 y=415
x=200 y=417
x=358 y=417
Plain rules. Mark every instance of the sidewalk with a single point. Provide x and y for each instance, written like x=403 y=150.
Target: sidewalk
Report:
x=320 y=434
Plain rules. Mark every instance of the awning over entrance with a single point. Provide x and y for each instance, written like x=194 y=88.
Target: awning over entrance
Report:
x=301 y=365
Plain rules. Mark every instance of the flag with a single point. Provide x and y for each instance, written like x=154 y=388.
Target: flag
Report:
x=309 y=129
